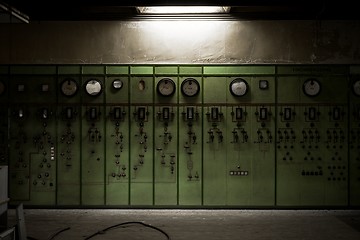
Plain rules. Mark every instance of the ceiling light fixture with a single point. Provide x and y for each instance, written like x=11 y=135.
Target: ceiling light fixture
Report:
x=9 y=14
x=183 y=10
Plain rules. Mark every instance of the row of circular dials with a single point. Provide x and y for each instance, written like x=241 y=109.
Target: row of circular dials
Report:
x=166 y=87
x=189 y=87
x=93 y=87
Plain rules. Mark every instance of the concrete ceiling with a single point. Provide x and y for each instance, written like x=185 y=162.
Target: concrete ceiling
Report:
x=56 y=10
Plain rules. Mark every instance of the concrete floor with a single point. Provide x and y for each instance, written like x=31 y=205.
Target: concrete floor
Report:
x=42 y=224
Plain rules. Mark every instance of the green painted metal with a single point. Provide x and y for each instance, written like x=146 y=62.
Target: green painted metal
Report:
x=142 y=141
x=93 y=69
x=33 y=69
x=69 y=69
x=250 y=145
x=165 y=145
x=132 y=147
x=32 y=141
x=190 y=148
x=69 y=138
x=141 y=70
x=4 y=69
x=214 y=145
x=354 y=142
x=190 y=70
x=302 y=69
x=312 y=157
x=354 y=70
x=117 y=142
x=93 y=147
x=236 y=70
x=167 y=70
x=121 y=70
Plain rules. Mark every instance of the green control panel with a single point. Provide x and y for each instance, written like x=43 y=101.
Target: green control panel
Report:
x=209 y=136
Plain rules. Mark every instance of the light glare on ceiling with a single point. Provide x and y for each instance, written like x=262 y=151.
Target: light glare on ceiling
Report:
x=183 y=10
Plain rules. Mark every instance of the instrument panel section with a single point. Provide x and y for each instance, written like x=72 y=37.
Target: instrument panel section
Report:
x=69 y=117
x=190 y=136
x=141 y=140
x=92 y=142
x=354 y=141
x=117 y=140
x=32 y=140
x=214 y=141
x=250 y=142
x=311 y=142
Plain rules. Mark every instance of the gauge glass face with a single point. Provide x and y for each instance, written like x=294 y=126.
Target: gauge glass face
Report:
x=238 y=87
x=356 y=88
x=141 y=85
x=117 y=84
x=69 y=87
x=311 y=87
x=190 y=87
x=263 y=84
x=166 y=87
x=21 y=88
x=93 y=87
x=2 y=88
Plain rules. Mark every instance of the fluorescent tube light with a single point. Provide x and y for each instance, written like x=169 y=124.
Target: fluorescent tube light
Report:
x=182 y=10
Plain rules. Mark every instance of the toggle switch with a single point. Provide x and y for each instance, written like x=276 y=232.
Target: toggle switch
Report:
x=166 y=113
x=239 y=113
x=117 y=113
x=190 y=113
x=263 y=113
x=141 y=113
x=287 y=114
x=214 y=113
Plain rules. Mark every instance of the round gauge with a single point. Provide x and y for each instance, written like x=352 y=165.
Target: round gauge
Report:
x=238 y=87
x=2 y=88
x=190 y=87
x=356 y=88
x=69 y=87
x=117 y=84
x=166 y=87
x=311 y=87
x=93 y=87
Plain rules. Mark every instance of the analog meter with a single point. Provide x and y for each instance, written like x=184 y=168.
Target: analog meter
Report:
x=190 y=87
x=166 y=87
x=2 y=88
x=93 y=87
x=311 y=87
x=69 y=87
x=117 y=84
x=238 y=87
x=356 y=88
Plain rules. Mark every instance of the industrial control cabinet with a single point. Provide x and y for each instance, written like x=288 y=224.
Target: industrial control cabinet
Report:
x=191 y=136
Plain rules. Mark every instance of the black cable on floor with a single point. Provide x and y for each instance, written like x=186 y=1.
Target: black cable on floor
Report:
x=127 y=223
x=58 y=232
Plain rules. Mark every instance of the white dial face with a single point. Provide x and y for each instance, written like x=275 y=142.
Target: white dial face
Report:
x=356 y=88
x=190 y=87
x=238 y=87
x=166 y=87
x=117 y=84
x=93 y=87
x=311 y=87
x=69 y=87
